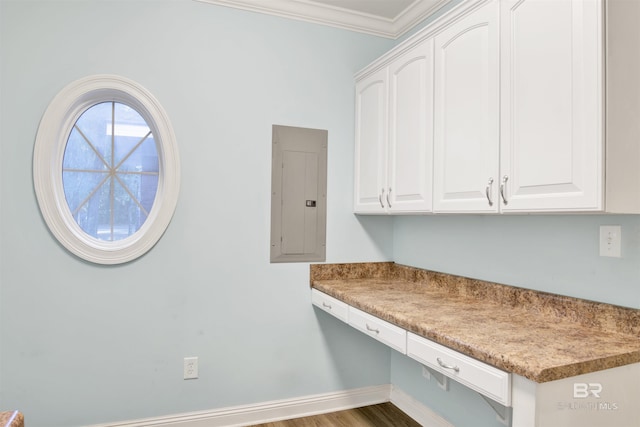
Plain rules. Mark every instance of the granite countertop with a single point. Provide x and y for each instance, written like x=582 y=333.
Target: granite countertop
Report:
x=11 y=419
x=537 y=335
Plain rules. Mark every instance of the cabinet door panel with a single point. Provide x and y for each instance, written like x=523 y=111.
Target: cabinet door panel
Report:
x=411 y=130
x=466 y=146
x=371 y=142
x=551 y=92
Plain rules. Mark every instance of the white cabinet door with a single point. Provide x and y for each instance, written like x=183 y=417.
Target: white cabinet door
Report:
x=410 y=150
x=371 y=142
x=466 y=145
x=551 y=131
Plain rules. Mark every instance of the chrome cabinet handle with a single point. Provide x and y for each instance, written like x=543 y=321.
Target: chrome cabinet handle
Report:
x=380 y=198
x=444 y=365
x=388 y=194
x=324 y=304
x=370 y=329
x=487 y=191
x=504 y=184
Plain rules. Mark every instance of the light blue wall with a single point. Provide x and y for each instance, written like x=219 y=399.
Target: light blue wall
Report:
x=84 y=344
x=552 y=253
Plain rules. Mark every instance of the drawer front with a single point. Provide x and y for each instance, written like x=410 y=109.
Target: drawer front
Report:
x=384 y=332
x=479 y=376
x=330 y=305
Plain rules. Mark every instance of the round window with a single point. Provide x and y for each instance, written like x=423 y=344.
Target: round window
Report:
x=106 y=169
x=110 y=171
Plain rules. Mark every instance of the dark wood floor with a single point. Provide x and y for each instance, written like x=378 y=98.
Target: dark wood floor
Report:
x=382 y=415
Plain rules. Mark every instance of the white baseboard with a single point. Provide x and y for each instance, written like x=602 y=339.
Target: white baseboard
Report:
x=295 y=408
x=268 y=411
x=416 y=410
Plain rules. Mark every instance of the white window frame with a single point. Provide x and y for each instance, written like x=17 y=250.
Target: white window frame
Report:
x=51 y=139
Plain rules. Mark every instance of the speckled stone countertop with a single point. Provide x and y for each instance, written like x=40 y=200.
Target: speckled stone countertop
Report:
x=541 y=336
x=11 y=419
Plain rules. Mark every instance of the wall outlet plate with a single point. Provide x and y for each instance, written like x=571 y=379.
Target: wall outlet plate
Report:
x=190 y=368
x=610 y=240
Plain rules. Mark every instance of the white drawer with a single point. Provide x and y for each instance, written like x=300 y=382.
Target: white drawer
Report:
x=384 y=332
x=479 y=376
x=330 y=305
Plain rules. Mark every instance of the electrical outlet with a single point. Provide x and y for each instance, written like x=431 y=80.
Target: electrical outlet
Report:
x=190 y=368
x=610 y=240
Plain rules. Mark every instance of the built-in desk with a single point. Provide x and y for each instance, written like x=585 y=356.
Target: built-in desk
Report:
x=569 y=361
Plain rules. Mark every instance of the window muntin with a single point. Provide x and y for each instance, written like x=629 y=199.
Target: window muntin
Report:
x=55 y=168
x=110 y=171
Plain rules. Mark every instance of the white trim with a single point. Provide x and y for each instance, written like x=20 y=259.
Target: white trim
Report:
x=276 y=410
x=319 y=13
x=416 y=410
x=459 y=11
x=269 y=411
x=48 y=154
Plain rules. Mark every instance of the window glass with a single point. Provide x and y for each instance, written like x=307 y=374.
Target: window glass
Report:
x=110 y=171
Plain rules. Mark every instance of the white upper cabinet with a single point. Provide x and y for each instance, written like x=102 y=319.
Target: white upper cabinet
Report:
x=371 y=142
x=466 y=143
x=500 y=106
x=394 y=121
x=551 y=156
x=410 y=130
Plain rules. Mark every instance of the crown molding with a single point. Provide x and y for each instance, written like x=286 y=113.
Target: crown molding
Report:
x=318 y=13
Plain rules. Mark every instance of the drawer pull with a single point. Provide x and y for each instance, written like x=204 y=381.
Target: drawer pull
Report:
x=370 y=329
x=444 y=365
x=324 y=304
x=504 y=183
x=487 y=191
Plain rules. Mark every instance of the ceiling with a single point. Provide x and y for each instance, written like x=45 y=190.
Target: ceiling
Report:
x=385 y=18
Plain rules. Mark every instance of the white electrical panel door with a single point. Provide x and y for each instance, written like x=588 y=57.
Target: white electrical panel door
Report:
x=552 y=132
x=466 y=124
x=299 y=177
x=298 y=194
